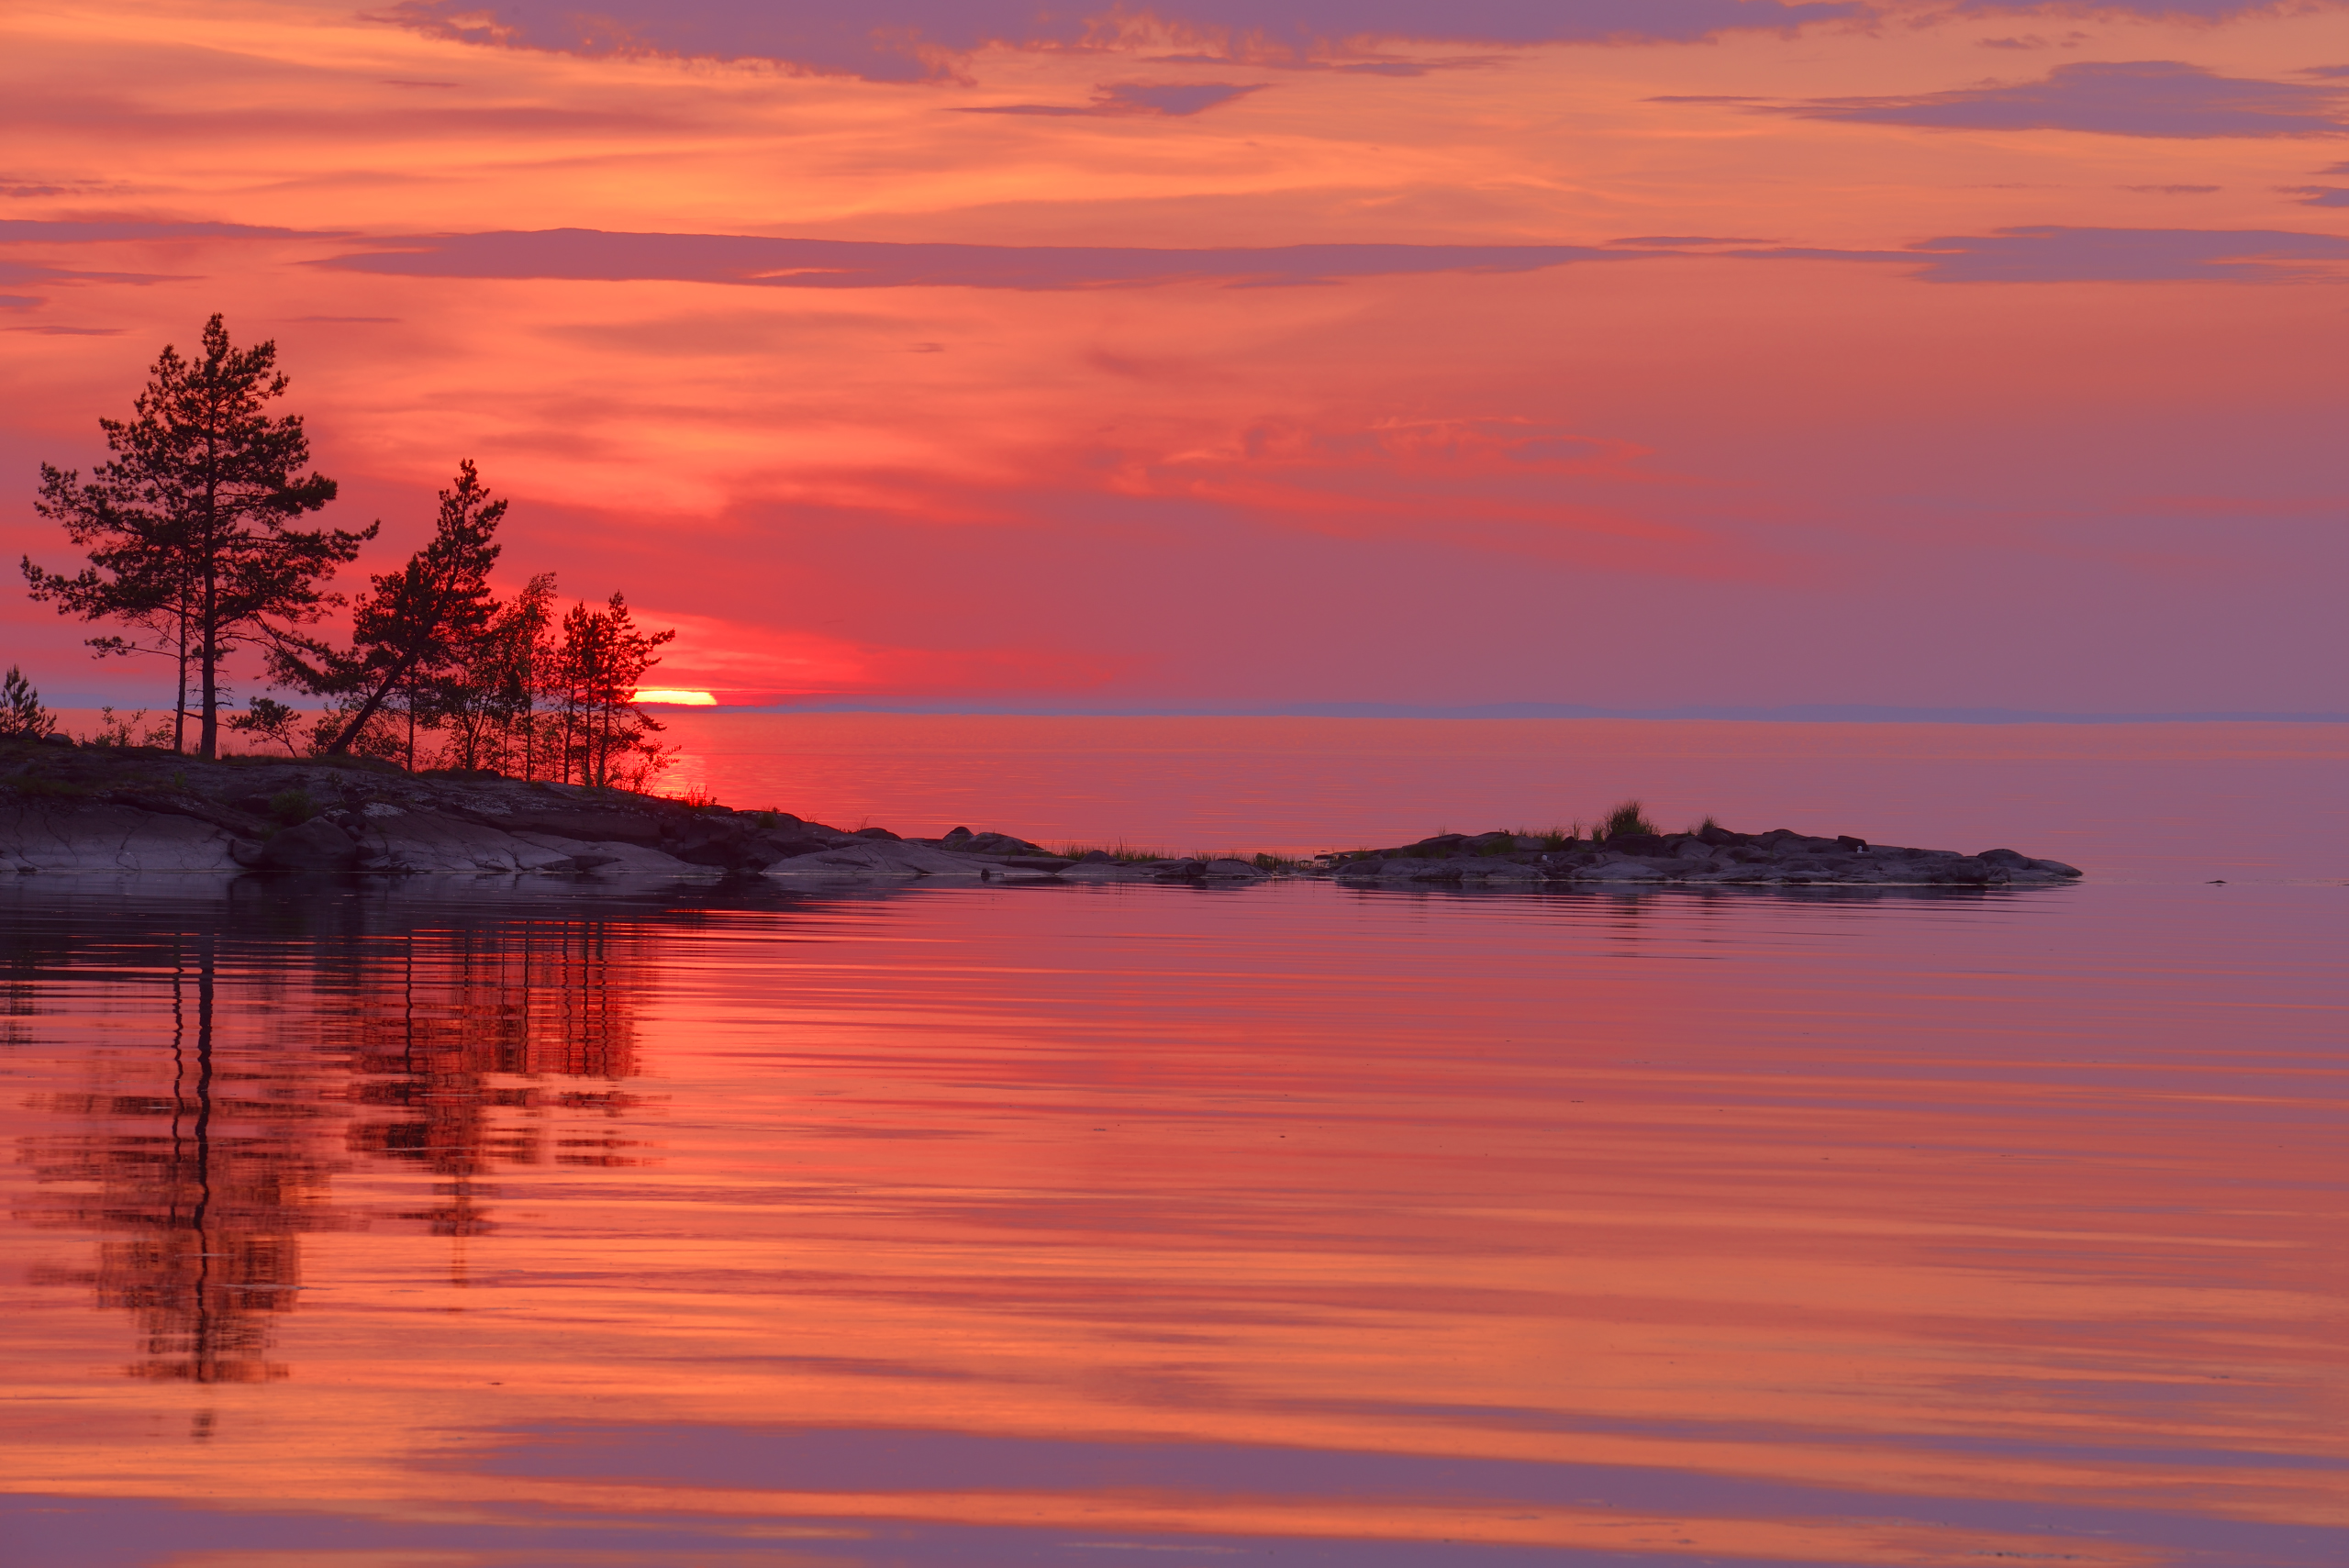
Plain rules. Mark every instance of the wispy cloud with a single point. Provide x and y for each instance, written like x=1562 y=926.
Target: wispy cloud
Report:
x=2146 y=97
x=2047 y=253
x=928 y=40
x=751 y=259
x=19 y=231
x=1130 y=99
x=2055 y=253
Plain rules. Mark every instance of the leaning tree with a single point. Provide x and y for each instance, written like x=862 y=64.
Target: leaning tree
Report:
x=188 y=526
x=417 y=626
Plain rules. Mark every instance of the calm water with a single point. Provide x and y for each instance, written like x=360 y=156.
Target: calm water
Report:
x=456 y=1225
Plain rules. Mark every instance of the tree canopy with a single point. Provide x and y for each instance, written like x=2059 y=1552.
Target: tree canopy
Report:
x=417 y=623
x=188 y=526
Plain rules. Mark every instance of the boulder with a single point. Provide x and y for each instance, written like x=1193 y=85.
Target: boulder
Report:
x=316 y=845
x=1623 y=868
x=1640 y=844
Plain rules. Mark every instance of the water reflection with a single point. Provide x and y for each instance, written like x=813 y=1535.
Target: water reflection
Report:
x=993 y=1227
x=265 y=1041
x=451 y=1046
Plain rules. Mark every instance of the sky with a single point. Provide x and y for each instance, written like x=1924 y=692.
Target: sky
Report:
x=1243 y=355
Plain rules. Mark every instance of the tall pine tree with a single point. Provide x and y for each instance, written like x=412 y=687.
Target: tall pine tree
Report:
x=188 y=526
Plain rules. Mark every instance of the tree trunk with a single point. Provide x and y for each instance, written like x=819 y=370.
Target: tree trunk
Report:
x=207 y=745
x=178 y=709
x=208 y=623
x=367 y=711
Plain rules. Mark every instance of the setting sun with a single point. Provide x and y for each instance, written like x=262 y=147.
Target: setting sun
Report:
x=676 y=698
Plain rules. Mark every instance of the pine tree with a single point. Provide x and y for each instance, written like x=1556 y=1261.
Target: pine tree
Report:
x=187 y=526
x=487 y=700
x=269 y=719
x=417 y=625
x=21 y=715
x=597 y=668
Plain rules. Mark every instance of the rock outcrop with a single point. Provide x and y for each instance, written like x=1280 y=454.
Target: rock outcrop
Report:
x=68 y=810
x=1712 y=856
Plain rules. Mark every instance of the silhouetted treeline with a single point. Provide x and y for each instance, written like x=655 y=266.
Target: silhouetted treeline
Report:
x=191 y=553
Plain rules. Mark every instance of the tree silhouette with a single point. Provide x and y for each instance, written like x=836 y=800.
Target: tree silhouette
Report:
x=417 y=624
x=21 y=714
x=186 y=528
x=488 y=701
x=595 y=671
x=269 y=719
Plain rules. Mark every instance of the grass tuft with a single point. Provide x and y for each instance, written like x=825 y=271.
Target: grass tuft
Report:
x=1120 y=852
x=1627 y=817
x=292 y=807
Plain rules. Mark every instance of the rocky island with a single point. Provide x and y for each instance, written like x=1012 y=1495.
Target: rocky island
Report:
x=68 y=809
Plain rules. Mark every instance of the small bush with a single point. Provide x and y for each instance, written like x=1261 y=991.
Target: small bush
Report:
x=292 y=807
x=270 y=720
x=1627 y=817
x=119 y=733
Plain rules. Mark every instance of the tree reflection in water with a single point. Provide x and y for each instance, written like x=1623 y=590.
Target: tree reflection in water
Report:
x=283 y=1035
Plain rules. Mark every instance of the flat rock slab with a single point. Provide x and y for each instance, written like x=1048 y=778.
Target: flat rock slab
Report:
x=104 y=839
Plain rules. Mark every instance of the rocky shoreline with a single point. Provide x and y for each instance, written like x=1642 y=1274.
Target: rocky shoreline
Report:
x=1709 y=856
x=67 y=810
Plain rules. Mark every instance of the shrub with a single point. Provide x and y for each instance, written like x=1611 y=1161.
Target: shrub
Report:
x=121 y=732
x=1627 y=817
x=270 y=720
x=293 y=807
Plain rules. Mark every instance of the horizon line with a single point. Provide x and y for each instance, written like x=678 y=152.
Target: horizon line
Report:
x=1815 y=713
x=1790 y=713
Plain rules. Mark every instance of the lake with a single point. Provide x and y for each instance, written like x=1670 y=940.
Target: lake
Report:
x=492 y=1224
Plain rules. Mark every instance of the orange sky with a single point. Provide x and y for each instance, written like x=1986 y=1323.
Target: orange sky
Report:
x=1963 y=357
